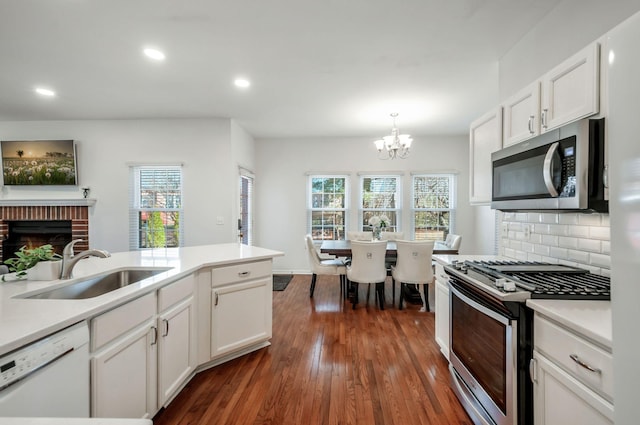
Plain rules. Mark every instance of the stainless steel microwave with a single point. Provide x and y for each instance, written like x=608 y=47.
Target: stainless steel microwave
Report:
x=562 y=169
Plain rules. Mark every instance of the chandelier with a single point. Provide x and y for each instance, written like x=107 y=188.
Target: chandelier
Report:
x=394 y=146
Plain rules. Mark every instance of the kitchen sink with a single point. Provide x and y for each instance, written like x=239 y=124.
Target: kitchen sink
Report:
x=97 y=285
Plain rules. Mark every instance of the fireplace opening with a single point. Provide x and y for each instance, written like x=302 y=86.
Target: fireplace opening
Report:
x=34 y=233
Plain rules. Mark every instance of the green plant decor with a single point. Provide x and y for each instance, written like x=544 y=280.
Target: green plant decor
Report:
x=28 y=257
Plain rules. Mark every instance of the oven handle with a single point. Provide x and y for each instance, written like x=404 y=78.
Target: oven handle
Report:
x=482 y=309
x=547 y=169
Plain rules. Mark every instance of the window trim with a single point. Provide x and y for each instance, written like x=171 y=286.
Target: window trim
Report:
x=310 y=209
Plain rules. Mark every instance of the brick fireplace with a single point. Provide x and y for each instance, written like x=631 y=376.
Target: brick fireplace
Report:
x=77 y=215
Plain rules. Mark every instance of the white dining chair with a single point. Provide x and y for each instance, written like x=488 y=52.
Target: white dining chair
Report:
x=359 y=236
x=391 y=236
x=413 y=266
x=453 y=241
x=334 y=267
x=367 y=266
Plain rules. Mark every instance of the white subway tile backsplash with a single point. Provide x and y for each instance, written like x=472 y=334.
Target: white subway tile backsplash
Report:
x=578 y=256
x=578 y=231
x=566 y=242
x=590 y=245
x=549 y=240
x=602 y=233
x=599 y=260
x=574 y=239
x=589 y=219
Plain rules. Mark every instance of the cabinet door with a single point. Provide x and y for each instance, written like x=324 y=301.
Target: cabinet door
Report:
x=176 y=348
x=521 y=115
x=485 y=137
x=123 y=376
x=442 y=316
x=570 y=90
x=561 y=399
x=240 y=315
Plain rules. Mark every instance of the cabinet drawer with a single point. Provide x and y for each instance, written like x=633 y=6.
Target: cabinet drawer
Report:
x=174 y=293
x=118 y=321
x=560 y=345
x=240 y=272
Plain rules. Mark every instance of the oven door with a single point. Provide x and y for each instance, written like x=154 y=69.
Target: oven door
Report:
x=483 y=357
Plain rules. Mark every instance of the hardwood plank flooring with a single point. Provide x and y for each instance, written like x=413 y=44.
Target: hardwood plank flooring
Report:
x=328 y=364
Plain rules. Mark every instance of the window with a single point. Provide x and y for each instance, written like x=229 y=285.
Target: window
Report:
x=156 y=207
x=380 y=195
x=433 y=206
x=327 y=207
x=245 y=223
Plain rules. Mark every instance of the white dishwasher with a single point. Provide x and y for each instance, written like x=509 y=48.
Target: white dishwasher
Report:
x=49 y=377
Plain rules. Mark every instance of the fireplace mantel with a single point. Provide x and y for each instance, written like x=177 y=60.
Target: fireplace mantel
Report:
x=76 y=202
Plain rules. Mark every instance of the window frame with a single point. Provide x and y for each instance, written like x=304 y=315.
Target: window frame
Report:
x=311 y=209
x=452 y=208
x=136 y=208
x=397 y=227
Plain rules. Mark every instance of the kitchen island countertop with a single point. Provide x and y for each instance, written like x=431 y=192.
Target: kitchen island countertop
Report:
x=26 y=320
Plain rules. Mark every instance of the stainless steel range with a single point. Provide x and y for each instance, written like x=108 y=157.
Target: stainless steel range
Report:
x=491 y=331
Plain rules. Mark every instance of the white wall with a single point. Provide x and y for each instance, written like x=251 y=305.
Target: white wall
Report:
x=105 y=150
x=281 y=185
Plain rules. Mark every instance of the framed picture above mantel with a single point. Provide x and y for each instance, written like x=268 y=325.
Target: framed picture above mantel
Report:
x=39 y=163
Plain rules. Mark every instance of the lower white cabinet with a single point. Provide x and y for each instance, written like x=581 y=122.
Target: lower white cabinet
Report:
x=442 y=310
x=572 y=377
x=141 y=358
x=241 y=307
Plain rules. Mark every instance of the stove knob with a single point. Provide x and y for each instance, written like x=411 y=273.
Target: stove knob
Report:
x=509 y=286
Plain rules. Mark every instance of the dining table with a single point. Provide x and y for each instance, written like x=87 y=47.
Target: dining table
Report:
x=342 y=248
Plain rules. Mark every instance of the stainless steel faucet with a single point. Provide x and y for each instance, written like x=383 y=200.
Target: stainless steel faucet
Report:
x=69 y=260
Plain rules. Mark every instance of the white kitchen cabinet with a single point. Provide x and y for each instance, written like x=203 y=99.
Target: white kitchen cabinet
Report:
x=177 y=337
x=442 y=310
x=566 y=93
x=241 y=308
x=522 y=115
x=123 y=367
x=572 y=377
x=485 y=137
x=570 y=91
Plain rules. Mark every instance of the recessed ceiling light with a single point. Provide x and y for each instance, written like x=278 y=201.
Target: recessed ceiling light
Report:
x=45 y=92
x=241 y=82
x=154 y=54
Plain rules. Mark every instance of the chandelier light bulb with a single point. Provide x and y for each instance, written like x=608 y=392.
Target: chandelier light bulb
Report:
x=394 y=146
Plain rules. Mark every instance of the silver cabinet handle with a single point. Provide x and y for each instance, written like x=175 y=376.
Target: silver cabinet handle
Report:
x=244 y=274
x=543 y=118
x=530 y=124
x=546 y=172
x=576 y=359
x=605 y=176
x=216 y=301
x=533 y=363
x=155 y=335
x=166 y=327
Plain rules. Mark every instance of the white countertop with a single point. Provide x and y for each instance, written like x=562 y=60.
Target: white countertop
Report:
x=25 y=320
x=592 y=319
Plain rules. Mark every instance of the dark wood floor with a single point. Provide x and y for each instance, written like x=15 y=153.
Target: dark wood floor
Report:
x=328 y=364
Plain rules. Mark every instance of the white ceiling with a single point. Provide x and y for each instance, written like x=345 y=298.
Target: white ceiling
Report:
x=317 y=67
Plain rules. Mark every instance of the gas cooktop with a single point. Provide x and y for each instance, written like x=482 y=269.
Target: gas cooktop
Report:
x=539 y=280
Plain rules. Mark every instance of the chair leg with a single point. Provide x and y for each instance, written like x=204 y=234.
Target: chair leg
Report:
x=401 y=297
x=393 y=291
x=368 y=292
x=313 y=285
x=380 y=294
x=354 y=299
x=425 y=298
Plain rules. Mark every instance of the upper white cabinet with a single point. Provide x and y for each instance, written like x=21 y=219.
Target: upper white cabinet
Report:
x=485 y=137
x=570 y=90
x=566 y=93
x=522 y=115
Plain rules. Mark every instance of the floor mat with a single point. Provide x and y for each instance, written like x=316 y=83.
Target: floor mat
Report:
x=280 y=281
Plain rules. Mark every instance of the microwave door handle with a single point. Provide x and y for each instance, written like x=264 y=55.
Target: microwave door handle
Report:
x=547 y=170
